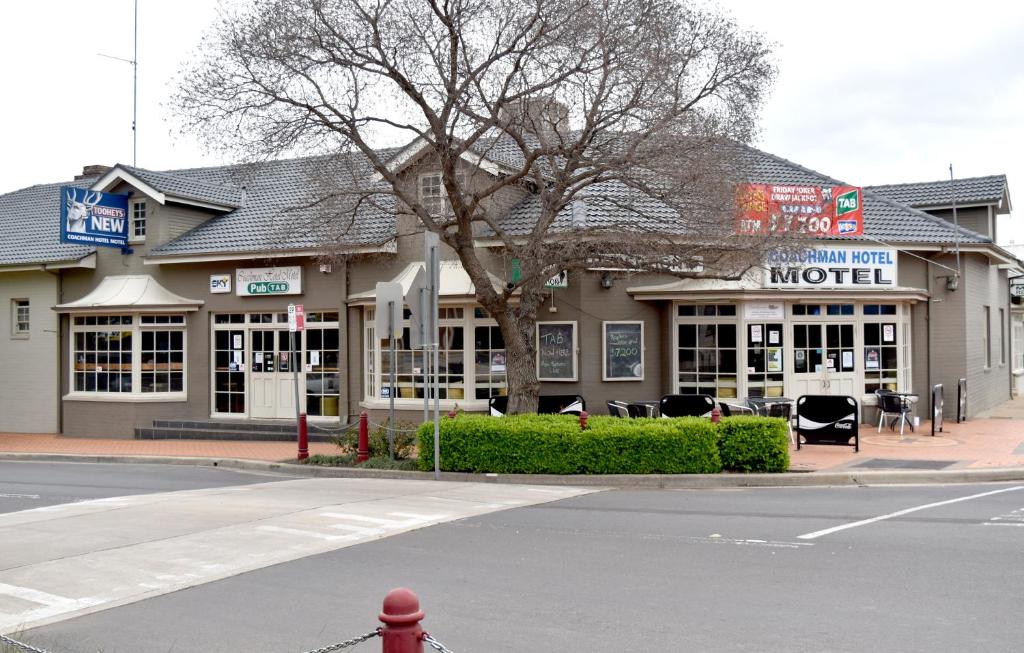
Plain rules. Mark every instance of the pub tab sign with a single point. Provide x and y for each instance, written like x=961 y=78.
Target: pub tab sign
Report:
x=831 y=267
x=255 y=282
x=93 y=218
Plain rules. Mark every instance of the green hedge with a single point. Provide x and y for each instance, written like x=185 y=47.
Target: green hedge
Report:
x=753 y=444
x=554 y=444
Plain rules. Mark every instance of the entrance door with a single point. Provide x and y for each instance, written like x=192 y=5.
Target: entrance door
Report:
x=272 y=384
x=823 y=359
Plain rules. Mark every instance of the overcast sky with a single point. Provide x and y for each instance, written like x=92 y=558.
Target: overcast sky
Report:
x=869 y=92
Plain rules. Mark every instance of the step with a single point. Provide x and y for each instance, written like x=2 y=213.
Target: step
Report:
x=174 y=433
x=225 y=425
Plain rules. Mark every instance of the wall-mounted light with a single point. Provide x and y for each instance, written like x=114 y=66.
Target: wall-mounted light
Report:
x=607 y=280
x=325 y=268
x=952 y=282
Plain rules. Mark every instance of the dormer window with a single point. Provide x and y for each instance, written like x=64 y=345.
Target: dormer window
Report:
x=138 y=232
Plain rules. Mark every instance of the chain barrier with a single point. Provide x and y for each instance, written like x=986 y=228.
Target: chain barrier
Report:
x=21 y=645
x=345 y=644
x=434 y=644
x=396 y=430
x=336 y=430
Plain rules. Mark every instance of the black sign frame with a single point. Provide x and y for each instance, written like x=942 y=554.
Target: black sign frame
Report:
x=961 y=400
x=828 y=419
x=551 y=338
x=634 y=331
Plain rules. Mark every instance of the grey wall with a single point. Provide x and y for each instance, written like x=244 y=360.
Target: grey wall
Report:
x=975 y=218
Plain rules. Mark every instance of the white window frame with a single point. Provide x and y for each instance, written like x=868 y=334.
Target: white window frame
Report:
x=986 y=337
x=444 y=206
x=136 y=328
x=736 y=320
x=16 y=321
x=575 y=351
x=132 y=237
x=375 y=380
x=604 y=351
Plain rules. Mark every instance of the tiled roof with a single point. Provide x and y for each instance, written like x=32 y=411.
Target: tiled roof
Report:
x=30 y=224
x=276 y=212
x=187 y=187
x=884 y=219
x=971 y=190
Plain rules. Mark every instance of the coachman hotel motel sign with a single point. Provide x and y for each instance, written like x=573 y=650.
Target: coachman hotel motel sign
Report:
x=250 y=282
x=93 y=218
x=831 y=267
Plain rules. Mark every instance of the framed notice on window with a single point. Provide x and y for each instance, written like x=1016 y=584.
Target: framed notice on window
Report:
x=623 y=351
x=556 y=351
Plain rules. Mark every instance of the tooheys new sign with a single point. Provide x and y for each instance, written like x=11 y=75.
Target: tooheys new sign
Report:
x=811 y=210
x=93 y=218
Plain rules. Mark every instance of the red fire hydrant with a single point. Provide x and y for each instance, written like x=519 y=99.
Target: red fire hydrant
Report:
x=583 y=420
x=401 y=615
x=716 y=415
x=363 y=454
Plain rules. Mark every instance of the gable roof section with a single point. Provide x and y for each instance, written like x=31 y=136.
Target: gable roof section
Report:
x=992 y=189
x=189 y=188
x=30 y=223
x=276 y=216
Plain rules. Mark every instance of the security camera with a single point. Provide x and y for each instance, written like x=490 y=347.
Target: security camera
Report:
x=510 y=285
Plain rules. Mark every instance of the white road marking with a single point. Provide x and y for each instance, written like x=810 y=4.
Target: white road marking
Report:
x=1015 y=518
x=19 y=496
x=369 y=520
x=1002 y=523
x=300 y=531
x=900 y=513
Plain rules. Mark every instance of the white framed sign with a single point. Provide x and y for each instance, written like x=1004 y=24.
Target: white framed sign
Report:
x=220 y=284
x=623 y=351
x=258 y=282
x=556 y=351
x=764 y=311
x=831 y=267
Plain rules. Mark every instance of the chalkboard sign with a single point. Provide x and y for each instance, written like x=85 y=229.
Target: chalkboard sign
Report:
x=623 y=351
x=961 y=400
x=556 y=351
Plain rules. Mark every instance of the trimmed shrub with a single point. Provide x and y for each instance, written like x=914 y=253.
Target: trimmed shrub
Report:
x=554 y=444
x=753 y=444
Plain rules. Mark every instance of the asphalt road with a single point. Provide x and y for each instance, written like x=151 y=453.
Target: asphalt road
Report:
x=25 y=485
x=634 y=571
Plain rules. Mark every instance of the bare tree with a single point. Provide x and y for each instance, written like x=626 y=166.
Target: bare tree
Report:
x=618 y=117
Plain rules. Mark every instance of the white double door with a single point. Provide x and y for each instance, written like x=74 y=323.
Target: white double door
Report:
x=272 y=379
x=824 y=358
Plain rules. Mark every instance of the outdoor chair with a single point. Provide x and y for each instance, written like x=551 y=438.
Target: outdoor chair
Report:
x=892 y=405
x=686 y=405
x=728 y=410
x=785 y=411
x=618 y=409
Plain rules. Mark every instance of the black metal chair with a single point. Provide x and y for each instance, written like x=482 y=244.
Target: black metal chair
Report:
x=618 y=409
x=785 y=411
x=892 y=405
x=686 y=405
x=729 y=409
x=546 y=405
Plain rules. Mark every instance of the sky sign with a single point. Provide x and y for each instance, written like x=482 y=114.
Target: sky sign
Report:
x=812 y=210
x=93 y=218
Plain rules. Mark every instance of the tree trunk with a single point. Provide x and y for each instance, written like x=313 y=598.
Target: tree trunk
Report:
x=517 y=327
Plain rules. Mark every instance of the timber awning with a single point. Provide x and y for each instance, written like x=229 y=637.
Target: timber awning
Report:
x=134 y=292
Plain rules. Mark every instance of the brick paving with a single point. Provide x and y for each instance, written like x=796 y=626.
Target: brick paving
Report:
x=994 y=441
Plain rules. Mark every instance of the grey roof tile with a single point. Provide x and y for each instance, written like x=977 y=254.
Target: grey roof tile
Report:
x=30 y=224
x=277 y=212
x=970 y=190
x=188 y=187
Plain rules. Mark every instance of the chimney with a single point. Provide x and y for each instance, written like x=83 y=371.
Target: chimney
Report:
x=94 y=170
x=543 y=116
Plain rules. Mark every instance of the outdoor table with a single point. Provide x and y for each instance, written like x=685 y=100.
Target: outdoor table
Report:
x=761 y=404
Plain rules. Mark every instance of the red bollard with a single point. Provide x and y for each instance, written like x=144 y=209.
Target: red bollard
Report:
x=716 y=415
x=303 y=437
x=583 y=420
x=364 y=438
x=452 y=414
x=401 y=615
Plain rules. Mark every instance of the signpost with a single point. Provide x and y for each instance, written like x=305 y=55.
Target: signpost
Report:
x=297 y=323
x=388 y=324
x=432 y=257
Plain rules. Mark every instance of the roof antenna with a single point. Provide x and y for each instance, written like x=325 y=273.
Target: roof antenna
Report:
x=134 y=61
x=952 y=283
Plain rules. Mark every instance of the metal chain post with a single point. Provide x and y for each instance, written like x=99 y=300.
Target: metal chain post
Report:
x=21 y=645
x=436 y=645
x=347 y=643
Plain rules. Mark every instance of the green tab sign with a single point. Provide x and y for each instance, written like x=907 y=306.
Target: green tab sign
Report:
x=268 y=288
x=847 y=203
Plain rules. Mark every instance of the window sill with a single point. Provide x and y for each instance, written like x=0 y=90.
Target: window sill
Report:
x=125 y=397
x=19 y=336
x=417 y=404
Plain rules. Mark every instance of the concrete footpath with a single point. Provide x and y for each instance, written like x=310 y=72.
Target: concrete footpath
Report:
x=990 y=448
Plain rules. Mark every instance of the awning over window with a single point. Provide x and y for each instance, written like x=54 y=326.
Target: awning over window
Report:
x=454 y=283
x=134 y=292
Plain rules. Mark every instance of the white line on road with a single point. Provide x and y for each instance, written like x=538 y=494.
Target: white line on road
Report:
x=19 y=496
x=1001 y=523
x=900 y=513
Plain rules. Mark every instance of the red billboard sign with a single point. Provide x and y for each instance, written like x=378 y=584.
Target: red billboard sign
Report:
x=812 y=210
